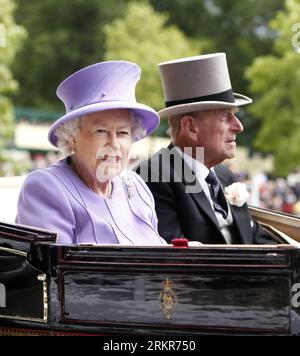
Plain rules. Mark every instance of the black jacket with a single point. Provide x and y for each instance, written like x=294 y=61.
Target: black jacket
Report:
x=183 y=213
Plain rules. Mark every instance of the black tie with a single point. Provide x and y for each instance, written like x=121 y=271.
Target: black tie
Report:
x=217 y=194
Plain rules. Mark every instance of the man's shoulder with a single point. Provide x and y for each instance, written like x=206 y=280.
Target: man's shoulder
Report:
x=154 y=164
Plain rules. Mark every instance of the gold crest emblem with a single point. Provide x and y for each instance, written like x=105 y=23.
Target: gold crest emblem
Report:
x=167 y=299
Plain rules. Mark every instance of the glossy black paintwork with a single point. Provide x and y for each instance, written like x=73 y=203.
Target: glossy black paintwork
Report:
x=24 y=292
x=21 y=238
x=116 y=289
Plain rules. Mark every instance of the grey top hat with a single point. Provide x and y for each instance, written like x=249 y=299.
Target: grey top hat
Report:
x=198 y=83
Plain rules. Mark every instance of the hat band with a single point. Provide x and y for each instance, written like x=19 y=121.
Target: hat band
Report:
x=225 y=96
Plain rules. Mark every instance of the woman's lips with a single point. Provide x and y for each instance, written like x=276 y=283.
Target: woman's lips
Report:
x=110 y=159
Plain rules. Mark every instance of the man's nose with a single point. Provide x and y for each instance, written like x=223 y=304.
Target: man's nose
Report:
x=237 y=125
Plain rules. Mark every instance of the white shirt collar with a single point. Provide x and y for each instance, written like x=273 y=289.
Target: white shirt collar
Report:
x=199 y=169
x=201 y=172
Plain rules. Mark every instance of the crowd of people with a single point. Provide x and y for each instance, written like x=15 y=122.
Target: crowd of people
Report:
x=269 y=192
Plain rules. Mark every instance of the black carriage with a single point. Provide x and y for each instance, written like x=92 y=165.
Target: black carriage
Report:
x=46 y=289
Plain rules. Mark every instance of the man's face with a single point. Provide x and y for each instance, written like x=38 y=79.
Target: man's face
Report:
x=216 y=132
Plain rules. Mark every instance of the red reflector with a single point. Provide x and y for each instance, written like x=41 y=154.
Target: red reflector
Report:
x=180 y=242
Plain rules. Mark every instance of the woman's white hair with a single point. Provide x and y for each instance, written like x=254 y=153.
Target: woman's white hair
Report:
x=65 y=134
x=70 y=129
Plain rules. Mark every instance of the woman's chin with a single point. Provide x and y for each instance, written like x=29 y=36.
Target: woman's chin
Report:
x=103 y=175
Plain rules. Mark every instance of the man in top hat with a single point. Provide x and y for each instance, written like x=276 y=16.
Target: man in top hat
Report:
x=186 y=179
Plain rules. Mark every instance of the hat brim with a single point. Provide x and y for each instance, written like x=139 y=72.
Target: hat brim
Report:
x=149 y=117
x=240 y=100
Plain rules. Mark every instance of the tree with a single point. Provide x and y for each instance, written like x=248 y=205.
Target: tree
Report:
x=275 y=81
x=64 y=36
x=142 y=37
x=12 y=36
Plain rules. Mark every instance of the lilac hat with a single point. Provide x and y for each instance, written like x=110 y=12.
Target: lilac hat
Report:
x=103 y=86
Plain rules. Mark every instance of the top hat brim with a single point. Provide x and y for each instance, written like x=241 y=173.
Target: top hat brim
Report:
x=240 y=100
x=149 y=117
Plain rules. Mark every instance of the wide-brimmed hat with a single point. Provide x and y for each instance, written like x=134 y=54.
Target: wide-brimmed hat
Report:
x=198 y=83
x=103 y=86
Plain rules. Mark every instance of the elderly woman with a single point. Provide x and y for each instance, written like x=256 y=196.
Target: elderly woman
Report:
x=90 y=196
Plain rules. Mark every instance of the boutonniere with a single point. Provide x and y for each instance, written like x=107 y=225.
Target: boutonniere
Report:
x=237 y=194
x=128 y=183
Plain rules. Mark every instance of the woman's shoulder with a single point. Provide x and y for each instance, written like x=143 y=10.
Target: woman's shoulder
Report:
x=38 y=184
x=44 y=185
x=48 y=173
x=42 y=177
x=39 y=175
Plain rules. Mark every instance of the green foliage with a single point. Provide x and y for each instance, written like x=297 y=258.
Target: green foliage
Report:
x=142 y=37
x=275 y=81
x=64 y=36
x=283 y=25
x=14 y=35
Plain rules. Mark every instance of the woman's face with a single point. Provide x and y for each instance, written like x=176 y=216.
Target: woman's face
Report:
x=103 y=144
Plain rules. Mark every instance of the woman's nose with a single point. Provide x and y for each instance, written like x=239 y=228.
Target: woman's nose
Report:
x=114 y=141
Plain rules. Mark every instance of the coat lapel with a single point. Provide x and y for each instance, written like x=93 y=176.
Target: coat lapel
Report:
x=240 y=218
x=192 y=186
x=203 y=203
x=242 y=223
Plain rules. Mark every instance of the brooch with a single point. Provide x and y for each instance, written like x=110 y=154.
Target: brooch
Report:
x=128 y=184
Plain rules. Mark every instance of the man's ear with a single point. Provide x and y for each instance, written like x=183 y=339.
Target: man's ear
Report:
x=188 y=126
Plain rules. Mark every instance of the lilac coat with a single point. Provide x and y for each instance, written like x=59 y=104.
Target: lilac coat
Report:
x=57 y=199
